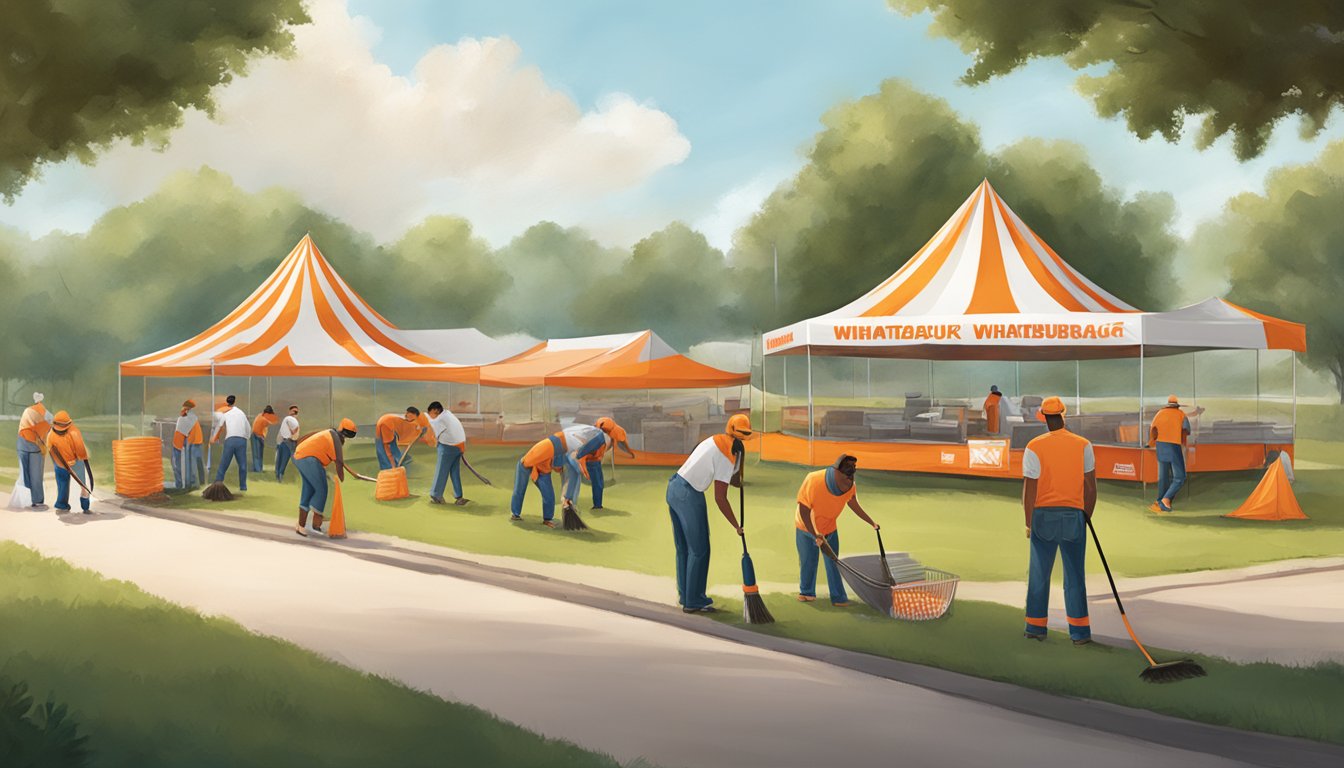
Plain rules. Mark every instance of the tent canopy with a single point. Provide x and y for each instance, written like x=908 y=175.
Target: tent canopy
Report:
x=637 y=360
x=304 y=320
x=466 y=346
x=986 y=286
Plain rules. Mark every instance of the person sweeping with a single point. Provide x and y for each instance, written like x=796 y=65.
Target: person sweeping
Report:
x=585 y=446
x=713 y=463
x=187 y=439
x=260 y=426
x=822 y=498
x=535 y=467
x=616 y=439
x=233 y=424
x=451 y=441
x=1059 y=493
x=34 y=425
x=311 y=459
x=387 y=436
x=70 y=458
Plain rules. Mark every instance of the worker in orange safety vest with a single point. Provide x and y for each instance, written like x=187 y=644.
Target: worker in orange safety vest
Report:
x=34 y=425
x=70 y=459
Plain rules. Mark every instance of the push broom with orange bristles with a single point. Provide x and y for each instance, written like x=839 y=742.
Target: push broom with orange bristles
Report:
x=1157 y=672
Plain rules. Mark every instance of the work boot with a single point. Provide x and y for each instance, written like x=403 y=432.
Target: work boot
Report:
x=1083 y=641
x=515 y=518
x=806 y=598
x=1033 y=636
x=548 y=523
x=437 y=500
x=461 y=501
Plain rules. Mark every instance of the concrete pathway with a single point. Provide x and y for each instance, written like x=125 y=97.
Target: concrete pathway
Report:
x=627 y=686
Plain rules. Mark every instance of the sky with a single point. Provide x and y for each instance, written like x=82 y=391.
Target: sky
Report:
x=617 y=117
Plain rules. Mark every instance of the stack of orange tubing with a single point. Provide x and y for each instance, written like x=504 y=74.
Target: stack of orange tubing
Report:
x=137 y=464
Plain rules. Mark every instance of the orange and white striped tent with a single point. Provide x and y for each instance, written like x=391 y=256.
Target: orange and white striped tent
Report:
x=304 y=320
x=639 y=360
x=986 y=286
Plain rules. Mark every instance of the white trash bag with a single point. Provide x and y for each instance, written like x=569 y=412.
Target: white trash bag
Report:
x=21 y=498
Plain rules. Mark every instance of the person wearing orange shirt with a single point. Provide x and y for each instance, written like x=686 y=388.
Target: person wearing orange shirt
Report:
x=311 y=459
x=992 y=409
x=34 y=425
x=535 y=467
x=1168 y=433
x=1059 y=492
x=822 y=498
x=260 y=426
x=187 y=439
x=70 y=457
x=388 y=434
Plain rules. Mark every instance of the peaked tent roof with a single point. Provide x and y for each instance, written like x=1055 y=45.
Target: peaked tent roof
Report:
x=639 y=360
x=304 y=320
x=986 y=286
x=466 y=346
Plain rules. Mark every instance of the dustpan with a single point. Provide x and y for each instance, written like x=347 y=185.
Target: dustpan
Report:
x=919 y=594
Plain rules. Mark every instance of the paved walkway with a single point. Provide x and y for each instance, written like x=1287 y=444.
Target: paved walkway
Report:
x=610 y=682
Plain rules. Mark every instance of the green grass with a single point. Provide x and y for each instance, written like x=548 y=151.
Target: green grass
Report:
x=982 y=639
x=154 y=684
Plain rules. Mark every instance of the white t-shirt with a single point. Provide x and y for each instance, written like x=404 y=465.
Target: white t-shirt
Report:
x=1031 y=463
x=578 y=436
x=705 y=465
x=234 y=422
x=448 y=429
x=289 y=430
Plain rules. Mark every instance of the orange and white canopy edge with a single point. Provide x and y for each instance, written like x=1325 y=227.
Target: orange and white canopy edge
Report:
x=986 y=286
x=639 y=360
x=304 y=320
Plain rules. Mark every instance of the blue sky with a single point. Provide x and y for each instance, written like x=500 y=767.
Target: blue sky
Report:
x=746 y=84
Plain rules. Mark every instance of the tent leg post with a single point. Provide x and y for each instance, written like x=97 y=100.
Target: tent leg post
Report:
x=331 y=400
x=1143 y=477
x=1293 y=459
x=811 y=421
x=119 y=436
x=1077 y=386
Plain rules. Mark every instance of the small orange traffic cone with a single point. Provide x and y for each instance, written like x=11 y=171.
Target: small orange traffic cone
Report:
x=336 y=528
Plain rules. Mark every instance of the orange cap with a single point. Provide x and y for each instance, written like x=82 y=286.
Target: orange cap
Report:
x=348 y=425
x=1173 y=400
x=62 y=420
x=1052 y=406
x=738 y=426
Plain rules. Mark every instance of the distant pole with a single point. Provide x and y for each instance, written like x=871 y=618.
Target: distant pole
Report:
x=776 y=252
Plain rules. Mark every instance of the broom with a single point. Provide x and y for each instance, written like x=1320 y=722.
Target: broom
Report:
x=886 y=567
x=1164 y=672
x=570 y=519
x=753 y=605
x=216 y=491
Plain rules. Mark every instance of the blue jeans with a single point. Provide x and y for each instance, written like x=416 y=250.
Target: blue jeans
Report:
x=449 y=465
x=596 y=480
x=184 y=466
x=808 y=553
x=690 y=534
x=31 y=461
x=1170 y=470
x=283 y=452
x=387 y=457
x=1063 y=529
x=63 y=486
x=234 y=448
x=258 y=450
x=313 y=495
x=521 y=478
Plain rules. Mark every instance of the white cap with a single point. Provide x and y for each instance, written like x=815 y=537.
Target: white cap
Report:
x=37 y=397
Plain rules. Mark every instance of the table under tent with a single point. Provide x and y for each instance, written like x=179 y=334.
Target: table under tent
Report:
x=665 y=401
x=304 y=337
x=899 y=376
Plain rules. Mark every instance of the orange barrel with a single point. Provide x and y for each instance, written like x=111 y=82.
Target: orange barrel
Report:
x=137 y=464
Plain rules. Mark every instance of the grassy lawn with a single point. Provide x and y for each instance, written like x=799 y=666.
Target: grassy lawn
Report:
x=154 y=684
x=1303 y=702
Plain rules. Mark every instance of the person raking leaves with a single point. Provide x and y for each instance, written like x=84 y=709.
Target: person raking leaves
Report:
x=70 y=458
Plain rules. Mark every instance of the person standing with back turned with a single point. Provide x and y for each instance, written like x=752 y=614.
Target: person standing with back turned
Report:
x=1168 y=434
x=1059 y=492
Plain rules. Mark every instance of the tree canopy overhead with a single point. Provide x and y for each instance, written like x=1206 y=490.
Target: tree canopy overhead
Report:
x=1240 y=65
x=76 y=75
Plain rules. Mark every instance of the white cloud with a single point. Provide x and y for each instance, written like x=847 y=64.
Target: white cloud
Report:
x=736 y=207
x=472 y=131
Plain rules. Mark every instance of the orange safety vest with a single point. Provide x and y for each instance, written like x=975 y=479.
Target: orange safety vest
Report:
x=992 y=411
x=408 y=431
x=321 y=446
x=826 y=506
x=35 y=419
x=262 y=423
x=1061 y=456
x=1170 y=424
x=540 y=458
x=387 y=429
x=70 y=446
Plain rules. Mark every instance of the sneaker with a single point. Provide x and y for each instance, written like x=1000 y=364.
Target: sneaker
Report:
x=841 y=604
x=60 y=510
x=515 y=518
x=1157 y=509
x=705 y=609
x=1033 y=636
x=88 y=511
x=461 y=501
x=806 y=599
x=1083 y=641
x=597 y=508
x=548 y=523
x=437 y=500
x=39 y=507
x=1165 y=504
x=299 y=529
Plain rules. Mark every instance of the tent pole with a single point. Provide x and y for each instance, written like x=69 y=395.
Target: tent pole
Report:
x=375 y=400
x=119 y=401
x=1017 y=377
x=1257 y=385
x=212 y=416
x=331 y=399
x=811 y=422
x=251 y=406
x=1077 y=386
x=1139 y=433
x=478 y=401
x=1194 y=400
x=930 y=381
x=1294 y=354
x=144 y=400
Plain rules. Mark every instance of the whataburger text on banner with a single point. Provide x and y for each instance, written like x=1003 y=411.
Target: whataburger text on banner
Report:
x=989 y=332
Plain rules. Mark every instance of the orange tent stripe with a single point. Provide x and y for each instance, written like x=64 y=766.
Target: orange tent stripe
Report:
x=1039 y=271
x=277 y=331
x=992 y=293
x=333 y=325
x=909 y=264
x=1279 y=334
x=919 y=279
x=369 y=328
x=1068 y=271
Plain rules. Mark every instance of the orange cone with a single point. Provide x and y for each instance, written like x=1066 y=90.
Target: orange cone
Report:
x=1272 y=499
x=336 y=528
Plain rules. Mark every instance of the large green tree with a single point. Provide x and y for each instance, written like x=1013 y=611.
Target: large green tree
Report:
x=675 y=282
x=553 y=271
x=1283 y=253
x=1240 y=66
x=438 y=275
x=890 y=168
x=76 y=75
